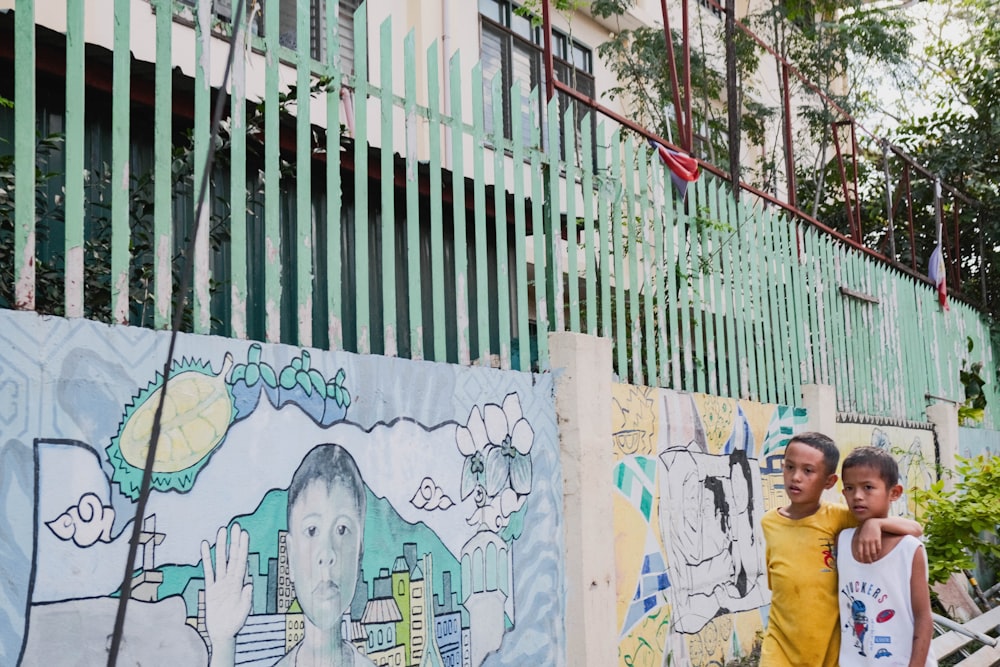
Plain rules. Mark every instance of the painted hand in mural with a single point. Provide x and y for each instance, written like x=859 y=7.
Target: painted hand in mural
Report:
x=227 y=597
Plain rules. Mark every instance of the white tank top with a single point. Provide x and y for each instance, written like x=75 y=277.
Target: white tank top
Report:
x=876 y=616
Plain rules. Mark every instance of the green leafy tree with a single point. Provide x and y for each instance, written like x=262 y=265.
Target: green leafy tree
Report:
x=956 y=133
x=955 y=520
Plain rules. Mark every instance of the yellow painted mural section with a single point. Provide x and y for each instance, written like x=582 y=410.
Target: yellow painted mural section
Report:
x=693 y=476
x=912 y=448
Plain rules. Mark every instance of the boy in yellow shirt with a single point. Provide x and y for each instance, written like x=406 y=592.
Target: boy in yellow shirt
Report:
x=803 y=625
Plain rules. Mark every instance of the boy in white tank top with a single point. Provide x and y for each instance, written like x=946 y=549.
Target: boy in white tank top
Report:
x=885 y=608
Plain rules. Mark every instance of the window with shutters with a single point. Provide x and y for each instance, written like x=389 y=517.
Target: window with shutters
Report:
x=512 y=48
x=288 y=29
x=317 y=29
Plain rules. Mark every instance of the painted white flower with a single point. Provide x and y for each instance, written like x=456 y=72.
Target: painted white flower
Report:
x=496 y=442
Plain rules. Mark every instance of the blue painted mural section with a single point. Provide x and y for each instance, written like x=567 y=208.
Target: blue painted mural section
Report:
x=400 y=512
x=975 y=441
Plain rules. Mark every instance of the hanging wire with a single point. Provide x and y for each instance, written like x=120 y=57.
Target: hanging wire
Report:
x=125 y=592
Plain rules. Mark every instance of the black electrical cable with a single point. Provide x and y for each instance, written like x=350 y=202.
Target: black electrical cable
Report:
x=125 y=592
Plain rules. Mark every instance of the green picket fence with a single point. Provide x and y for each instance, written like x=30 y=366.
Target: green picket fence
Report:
x=419 y=233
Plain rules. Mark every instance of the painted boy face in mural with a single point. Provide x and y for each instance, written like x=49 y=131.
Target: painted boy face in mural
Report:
x=325 y=531
x=326 y=515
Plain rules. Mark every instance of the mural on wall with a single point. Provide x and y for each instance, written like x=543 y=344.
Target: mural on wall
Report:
x=975 y=441
x=304 y=504
x=694 y=474
x=913 y=449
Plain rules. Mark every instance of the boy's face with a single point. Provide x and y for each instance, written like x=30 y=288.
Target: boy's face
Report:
x=324 y=548
x=866 y=493
x=805 y=474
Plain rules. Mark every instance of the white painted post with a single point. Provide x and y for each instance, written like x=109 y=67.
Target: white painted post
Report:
x=820 y=400
x=944 y=416
x=583 y=408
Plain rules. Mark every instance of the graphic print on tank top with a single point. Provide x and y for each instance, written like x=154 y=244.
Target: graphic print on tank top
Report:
x=862 y=599
x=876 y=597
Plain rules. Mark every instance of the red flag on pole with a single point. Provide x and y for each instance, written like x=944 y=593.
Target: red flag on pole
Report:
x=683 y=168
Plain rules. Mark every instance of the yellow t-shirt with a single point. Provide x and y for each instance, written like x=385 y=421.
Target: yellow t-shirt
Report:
x=803 y=625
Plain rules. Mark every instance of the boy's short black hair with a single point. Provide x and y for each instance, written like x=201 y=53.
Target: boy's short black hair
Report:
x=328 y=463
x=824 y=443
x=878 y=460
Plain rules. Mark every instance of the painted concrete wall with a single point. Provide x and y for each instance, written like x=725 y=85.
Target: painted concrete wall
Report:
x=693 y=475
x=433 y=493
x=976 y=441
x=913 y=449
x=474 y=530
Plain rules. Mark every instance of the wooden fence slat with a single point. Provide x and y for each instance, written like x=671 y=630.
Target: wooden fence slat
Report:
x=334 y=203
x=755 y=303
x=480 y=249
x=673 y=233
x=201 y=299
x=792 y=324
x=773 y=325
x=590 y=281
x=645 y=246
x=746 y=350
x=272 y=184
x=916 y=353
x=458 y=212
x=658 y=182
x=696 y=194
x=24 y=157
x=437 y=262
x=387 y=190
x=784 y=325
x=75 y=128
x=873 y=395
x=718 y=369
x=238 y=171
x=616 y=227
x=120 y=153
x=853 y=343
x=558 y=305
x=798 y=326
x=303 y=183
x=572 y=233
x=814 y=301
x=730 y=310
x=705 y=286
x=500 y=227
x=684 y=288
x=604 y=227
x=538 y=232
x=415 y=287
x=826 y=312
x=362 y=252
x=523 y=349
x=836 y=319
x=633 y=249
x=706 y=278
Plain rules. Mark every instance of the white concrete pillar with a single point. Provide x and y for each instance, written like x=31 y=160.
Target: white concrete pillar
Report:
x=820 y=400
x=944 y=416
x=583 y=410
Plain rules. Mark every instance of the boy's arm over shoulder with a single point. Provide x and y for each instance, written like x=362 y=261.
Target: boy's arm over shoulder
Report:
x=898 y=525
x=923 y=625
x=868 y=546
